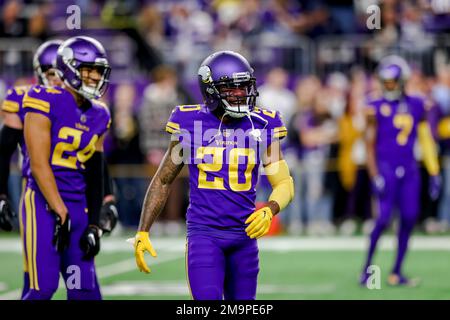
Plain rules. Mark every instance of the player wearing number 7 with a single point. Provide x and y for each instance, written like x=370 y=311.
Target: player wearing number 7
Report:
x=223 y=142
x=394 y=123
x=64 y=130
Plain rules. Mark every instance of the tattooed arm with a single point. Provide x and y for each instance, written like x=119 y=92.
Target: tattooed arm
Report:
x=155 y=199
x=158 y=190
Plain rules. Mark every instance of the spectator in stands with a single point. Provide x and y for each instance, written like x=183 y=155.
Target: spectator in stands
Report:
x=318 y=130
x=11 y=23
x=412 y=29
x=386 y=38
x=306 y=90
x=124 y=133
x=351 y=158
x=37 y=25
x=275 y=95
x=441 y=94
x=301 y=16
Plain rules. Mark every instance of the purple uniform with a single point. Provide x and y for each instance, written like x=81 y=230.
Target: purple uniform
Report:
x=397 y=130
x=397 y=124
x=13 y=104
x=223 y=167
x=74 y=132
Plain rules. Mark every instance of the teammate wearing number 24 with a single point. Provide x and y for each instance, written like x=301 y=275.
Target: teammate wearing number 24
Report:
x=223 y=142
x=64 y=130
x=394 y=123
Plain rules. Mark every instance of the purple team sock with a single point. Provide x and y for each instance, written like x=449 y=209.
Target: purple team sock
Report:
x=79 y=294
x=33 y=294
x=374 y=236
x=403 y=238
x=26 y=284
x=75 y=294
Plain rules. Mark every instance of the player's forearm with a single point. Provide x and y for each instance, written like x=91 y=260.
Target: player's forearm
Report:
x=371 y=161
x=274 y=207
x=429 y=149
x=9 y=138
x=94 y=191
x=155 y=199
x=282 y=185
x=47 y=185
x=107 y=183
x=370 y=147
x=158 y=190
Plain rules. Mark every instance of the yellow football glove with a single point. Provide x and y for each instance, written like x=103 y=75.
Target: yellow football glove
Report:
x=142 y=243
x=260 y=223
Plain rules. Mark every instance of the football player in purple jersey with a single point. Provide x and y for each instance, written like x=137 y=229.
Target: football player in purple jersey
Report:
x=395 y=122
x=223 y=142
x=11 y=134
x=64 y=129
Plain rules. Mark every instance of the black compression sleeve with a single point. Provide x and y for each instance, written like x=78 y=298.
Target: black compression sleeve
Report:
x=107 y=181
x=9 y=138
x=94 y=186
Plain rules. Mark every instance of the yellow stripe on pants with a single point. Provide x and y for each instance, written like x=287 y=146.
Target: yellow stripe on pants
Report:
x=29 y=237
x=21 y=229
x=187 y=270
x=33 y=208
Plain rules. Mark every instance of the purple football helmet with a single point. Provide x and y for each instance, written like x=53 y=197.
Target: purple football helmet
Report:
x=390 y=72
x=78 y=52
x=393 y=69
x=227 y=69
x=45 y=59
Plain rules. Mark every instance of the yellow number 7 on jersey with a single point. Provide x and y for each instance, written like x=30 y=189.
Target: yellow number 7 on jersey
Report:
x=404 y=122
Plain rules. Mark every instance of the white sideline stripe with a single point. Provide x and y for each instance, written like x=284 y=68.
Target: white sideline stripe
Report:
x=177 y=288
x=279 y=244
x=104 y=272
x=11 y=295
x=130 y=265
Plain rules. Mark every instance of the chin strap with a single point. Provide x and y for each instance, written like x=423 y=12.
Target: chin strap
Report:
x=219 y=132
x=255 y=133
x=392 y=95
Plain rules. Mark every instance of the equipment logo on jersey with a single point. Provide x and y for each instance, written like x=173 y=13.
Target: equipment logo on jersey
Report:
x=227 y=133
x=385 y=110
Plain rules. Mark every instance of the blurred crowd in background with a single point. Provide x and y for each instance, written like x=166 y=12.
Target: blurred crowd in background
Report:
x=315 y=63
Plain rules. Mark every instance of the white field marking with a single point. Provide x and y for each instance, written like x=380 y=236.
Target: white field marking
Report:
x=130 y=265
x=11 y=295
x=177 y=288
x=125 y=266
x=278 y=244
x=104 y=272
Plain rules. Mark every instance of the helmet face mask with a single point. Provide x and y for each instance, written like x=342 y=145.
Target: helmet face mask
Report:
x=237 y=98
x=226 y=80
x=393 y=73
x=43 y=63
x=81 y=53
x=93 y=87
x=391 y=82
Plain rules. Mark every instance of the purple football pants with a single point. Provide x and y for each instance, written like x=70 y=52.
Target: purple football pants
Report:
x=222 y=268
x=402 y=189
x=44 y=263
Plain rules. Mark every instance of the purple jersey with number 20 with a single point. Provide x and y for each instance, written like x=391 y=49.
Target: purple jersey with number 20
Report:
x=223 y=165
